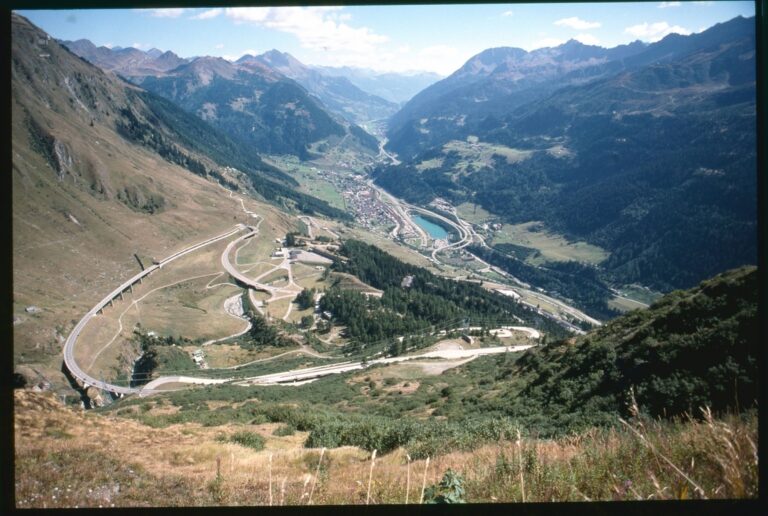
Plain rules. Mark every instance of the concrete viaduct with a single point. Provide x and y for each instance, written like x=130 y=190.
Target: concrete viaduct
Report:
x=69 y=345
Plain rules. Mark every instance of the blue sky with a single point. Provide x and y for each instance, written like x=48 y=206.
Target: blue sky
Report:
x=437 y=38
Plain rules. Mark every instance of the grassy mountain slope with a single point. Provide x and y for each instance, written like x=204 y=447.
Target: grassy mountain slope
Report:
x=85 y=198
x=692 y=349
x=180 y=468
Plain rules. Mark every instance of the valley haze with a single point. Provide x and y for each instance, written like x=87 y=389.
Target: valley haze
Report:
x=357 y=255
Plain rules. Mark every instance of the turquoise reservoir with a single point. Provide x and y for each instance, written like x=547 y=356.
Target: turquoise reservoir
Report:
x=434 y=230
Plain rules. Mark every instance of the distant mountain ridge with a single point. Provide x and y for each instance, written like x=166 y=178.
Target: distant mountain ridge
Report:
x=337 y=93
x=125 y=61
x=494 y=82
x=497 y=81
x=248 y=100
x=397 y=87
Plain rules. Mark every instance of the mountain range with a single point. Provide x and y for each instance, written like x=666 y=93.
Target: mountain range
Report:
x=127 y=62
x=648 y=151
x=249 y=100
x=345 y=102
x=392 y=86
x=338 y=93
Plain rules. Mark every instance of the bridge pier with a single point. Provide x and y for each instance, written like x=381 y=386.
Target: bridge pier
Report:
x=121 y=296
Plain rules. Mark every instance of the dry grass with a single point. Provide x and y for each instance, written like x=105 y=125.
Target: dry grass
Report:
x=552 y=246
x=708 y=458
x=480 y=154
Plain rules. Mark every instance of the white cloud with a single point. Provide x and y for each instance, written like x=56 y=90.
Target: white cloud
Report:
x=653 y=32
x=508 y=13
x=328 y=37
x=442 y=59
x=543 y=43
x=140 y=46
x=174 y=12
x=220 y=46
x=665 y=5
x=317 y=28
x=108 y=45
x=587 y=39
x=577 y=23
x=207 y=15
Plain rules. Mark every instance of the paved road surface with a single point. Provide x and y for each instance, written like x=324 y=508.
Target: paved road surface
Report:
x=343 y=367
x=69 y=345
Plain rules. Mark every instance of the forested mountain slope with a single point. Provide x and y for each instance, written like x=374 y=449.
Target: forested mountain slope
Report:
x=656 y=164
x=691 y=349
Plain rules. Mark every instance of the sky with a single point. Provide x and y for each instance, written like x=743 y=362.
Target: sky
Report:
x=436 y=38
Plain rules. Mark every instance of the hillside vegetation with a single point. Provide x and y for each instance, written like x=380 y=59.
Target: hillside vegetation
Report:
x=549 y=391
x=429 y=303
x=651 y=157
x=690 y=349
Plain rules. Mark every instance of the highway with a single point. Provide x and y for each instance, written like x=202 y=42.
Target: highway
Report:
x=232 y=270
x=465 y=233
x=153 y=386
x=310 y=373
x=343 y=367
x=69 y=344
x=466 y=236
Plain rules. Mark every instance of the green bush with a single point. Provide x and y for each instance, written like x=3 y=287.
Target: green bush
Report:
x=449 y=490
x=284 y=430
x=248 y=439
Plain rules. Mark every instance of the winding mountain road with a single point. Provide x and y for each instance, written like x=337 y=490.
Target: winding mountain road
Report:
x=69 y=344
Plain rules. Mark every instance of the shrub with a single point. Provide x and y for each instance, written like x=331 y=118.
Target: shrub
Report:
x=284 y=430
x=449 y=490
x=248 y=439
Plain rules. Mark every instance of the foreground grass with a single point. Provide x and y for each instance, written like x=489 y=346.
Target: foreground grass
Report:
x=57 y=464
